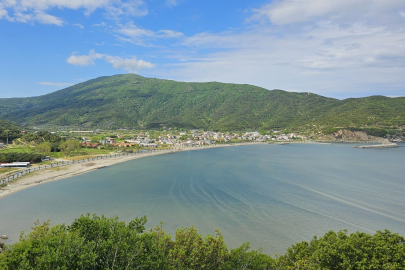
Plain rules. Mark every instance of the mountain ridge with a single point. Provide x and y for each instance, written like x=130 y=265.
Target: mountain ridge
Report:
x=130 y=101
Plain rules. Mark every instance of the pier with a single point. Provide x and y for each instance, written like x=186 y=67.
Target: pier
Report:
x=387 y=145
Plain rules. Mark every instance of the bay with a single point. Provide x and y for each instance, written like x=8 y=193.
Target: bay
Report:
x=270 y=195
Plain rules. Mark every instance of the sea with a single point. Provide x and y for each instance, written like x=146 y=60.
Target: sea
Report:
x=272 y=196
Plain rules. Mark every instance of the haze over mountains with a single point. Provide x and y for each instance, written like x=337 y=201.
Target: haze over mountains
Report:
x=132 y=101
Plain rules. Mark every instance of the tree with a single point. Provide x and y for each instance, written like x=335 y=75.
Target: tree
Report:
x=44 y=148
x=70 y=146
x=93 y=242
x=191 y=251
x=338 y=250
x=243 y=258
x=95 y=139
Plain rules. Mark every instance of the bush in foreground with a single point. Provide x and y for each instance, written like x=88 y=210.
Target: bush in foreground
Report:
x=107 y=243
x=93 y=242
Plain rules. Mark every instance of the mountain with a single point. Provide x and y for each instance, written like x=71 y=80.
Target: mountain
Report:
x=131 y=101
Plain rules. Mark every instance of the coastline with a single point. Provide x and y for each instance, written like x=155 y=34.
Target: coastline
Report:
x=59 y=173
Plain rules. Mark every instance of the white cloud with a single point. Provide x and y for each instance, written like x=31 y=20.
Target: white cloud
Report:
x=139 y=36
x=172 y=3
x=48 y=19
x=3 y=12
x=129 y=64
x=168 y=34
x=134 y=31
x=100 y=24
x=78 y=25
x=329 y=55
x=292 y=11
x=56 y=83
x=402 y=13
x=130 y=8
x=84 y=60
x=38 y=10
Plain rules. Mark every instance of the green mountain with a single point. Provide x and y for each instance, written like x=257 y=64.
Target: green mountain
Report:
x=131 y=101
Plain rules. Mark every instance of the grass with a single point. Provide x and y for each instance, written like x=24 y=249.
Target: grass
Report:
x=6 y=170
x=17 y=149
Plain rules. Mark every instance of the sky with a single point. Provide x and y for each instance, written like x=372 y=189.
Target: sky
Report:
x=335 y=48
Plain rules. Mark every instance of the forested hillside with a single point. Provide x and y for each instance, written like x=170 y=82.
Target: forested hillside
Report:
x=9 y=130
x=132 y=101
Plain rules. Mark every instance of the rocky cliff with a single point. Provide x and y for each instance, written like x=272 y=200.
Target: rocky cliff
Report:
x=352 y=136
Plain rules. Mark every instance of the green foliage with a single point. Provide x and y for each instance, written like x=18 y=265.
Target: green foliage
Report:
x=242 y=258
x=70 y=146
x=40 y=137
x=130 y=100
x=9 y=130
x=44 y=148
x=331 y=130
x=95 y=139
x=93 y=242
x=191 y=251
x=338 y=250
x=184 y=137
x=20 y=157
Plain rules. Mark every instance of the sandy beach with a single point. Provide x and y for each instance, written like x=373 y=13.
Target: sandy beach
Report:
x=59 y=173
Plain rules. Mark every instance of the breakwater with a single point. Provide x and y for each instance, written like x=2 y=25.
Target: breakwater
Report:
x=388 y=145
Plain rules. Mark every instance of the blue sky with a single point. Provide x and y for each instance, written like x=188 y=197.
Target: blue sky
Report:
x=335 y=48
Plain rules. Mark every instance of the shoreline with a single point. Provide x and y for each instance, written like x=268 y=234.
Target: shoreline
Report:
x=54 y=174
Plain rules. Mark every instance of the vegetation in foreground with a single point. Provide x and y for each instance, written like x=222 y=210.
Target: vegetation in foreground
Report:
x=93 y=242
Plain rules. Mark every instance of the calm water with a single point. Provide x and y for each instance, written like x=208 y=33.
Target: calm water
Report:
x=270 y=195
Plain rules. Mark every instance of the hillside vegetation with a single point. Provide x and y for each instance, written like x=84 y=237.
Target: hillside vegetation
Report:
x=9 y=130
x=131 y=101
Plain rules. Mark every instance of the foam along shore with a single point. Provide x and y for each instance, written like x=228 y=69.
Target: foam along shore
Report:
x=386 y=145
x=58 y=173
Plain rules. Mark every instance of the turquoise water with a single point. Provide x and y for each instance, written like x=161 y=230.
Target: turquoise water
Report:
x=270 y=195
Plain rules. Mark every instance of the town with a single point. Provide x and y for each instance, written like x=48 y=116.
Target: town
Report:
x=43 y=147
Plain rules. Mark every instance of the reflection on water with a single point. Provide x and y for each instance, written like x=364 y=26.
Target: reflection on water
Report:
x=269 y=195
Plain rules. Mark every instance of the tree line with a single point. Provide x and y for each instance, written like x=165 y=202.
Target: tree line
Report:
x=20 y=157
x=93 y=242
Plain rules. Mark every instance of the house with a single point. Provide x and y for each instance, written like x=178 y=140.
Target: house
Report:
x=149 y=144
x=2 y=145
x=89 y=144
x=125 y=144
x=133 y=141
x=109 y=140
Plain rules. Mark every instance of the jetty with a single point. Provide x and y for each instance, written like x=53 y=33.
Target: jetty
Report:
x=386 y=145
